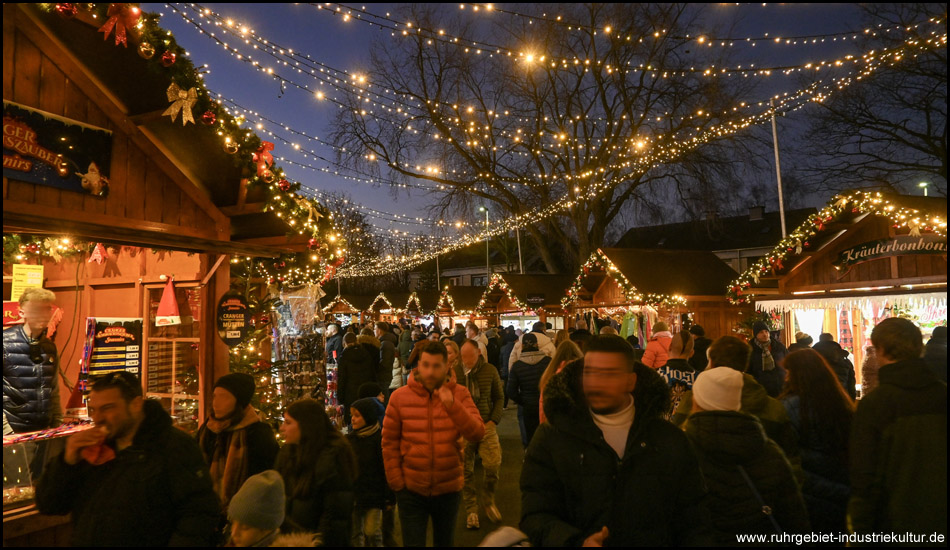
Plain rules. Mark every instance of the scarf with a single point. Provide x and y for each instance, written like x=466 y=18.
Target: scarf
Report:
x=367 y=431
x=767 y=362
x=228 y=461
x=470 y=382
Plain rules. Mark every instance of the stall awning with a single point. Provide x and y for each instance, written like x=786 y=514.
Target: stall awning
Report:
x=909 y=300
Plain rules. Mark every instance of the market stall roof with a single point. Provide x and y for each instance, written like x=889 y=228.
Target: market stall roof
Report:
x=852 y=218
x=428 y=300
x=460 y=299
x=133 y=96
x=349 y=303
x=380 y=302
x=525 y=292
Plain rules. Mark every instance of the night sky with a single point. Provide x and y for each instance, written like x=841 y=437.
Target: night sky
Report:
x=345 y=45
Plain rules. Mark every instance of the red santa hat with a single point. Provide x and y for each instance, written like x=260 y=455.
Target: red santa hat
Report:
x=167 y=314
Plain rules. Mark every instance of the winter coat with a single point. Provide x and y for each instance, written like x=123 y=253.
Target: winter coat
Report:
x=837 y=359
x=334 y=344
x=936 y=356
x=261 y=450
x=30 y=390
x=699 y=360
x=504 y=357
x=525 y=378
x=826 y=487
x=545 y=344
x=658 y=350
x=484 y=385
x=357 y=366
x=371 y=488
x=772 y=380
x=156 y=492
x=421 y=448
x=459 y=337
x=416 y=351
x=725 y=440
x=770 y=412
x=572 y=483
x=387 y=356
x=899 y=453
x=328 y=508
x=405 y=345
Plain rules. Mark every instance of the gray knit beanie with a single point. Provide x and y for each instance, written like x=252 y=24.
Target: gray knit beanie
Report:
x=259 y=502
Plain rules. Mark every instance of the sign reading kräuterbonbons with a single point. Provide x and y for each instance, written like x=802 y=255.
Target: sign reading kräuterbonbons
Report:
x=46 y=149
x=233 y=319
x=896 y=246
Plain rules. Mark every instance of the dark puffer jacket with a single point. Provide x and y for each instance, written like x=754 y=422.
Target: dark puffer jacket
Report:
x=525 y=378
x=157 y=492
x=572 y=484
x=356 y=367
x=899 y=453
x=371 y=488
x=826 y=486
x=30 y=390
x=334 y=344
x=725 y=440
x=328 y=508
x=843 y=368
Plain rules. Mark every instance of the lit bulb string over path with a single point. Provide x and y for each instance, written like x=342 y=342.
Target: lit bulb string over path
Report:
x=468 y=46
x=563 y=142
x=705 y=39
x=374 y=266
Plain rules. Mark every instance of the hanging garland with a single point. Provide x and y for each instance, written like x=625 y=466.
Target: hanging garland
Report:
x=599 y=261
x=850 y=204
x=187 y=95
x=18 y=249
x=497 y=281
x=446 y=301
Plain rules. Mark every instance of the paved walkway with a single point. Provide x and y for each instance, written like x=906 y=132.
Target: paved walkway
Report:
x=507 y=494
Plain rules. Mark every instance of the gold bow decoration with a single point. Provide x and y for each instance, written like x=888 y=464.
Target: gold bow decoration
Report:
x=311 y=211
x=182 y=101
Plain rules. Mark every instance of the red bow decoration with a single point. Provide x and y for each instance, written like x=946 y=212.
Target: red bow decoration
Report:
x=263 y=158
x=122 y=17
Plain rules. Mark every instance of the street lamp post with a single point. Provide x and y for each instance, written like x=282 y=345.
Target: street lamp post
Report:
x=923 y=185
x=487 y=256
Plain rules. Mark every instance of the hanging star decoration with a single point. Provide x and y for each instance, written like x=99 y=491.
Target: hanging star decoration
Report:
x=122 y=18
x=98 y=254
x=181 y=101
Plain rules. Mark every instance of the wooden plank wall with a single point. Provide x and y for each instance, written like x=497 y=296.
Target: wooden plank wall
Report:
x=139 y=189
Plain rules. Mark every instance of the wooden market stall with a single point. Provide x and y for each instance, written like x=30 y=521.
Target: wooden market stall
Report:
x=522 y=300
x=417 y=306
x=162 y=201
x=457 y=304
x=348 y=308
x=863 y=257
x=649 y=285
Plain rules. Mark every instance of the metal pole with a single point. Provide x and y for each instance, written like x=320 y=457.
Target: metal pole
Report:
x=438 y=281
x=520 y=261
x=338 y=293
x=778 y=169
x=487 y=256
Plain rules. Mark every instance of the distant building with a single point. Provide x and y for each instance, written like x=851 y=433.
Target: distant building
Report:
x=738 y=240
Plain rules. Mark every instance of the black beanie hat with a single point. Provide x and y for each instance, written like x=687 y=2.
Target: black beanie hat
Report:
x=240 y=385
x=758 y=327
x=368 y=408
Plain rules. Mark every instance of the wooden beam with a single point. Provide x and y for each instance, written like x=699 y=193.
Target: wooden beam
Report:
x=240 y=210
x=117 y=112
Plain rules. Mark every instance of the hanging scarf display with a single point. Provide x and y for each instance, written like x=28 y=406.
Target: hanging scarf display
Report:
x=768 y=363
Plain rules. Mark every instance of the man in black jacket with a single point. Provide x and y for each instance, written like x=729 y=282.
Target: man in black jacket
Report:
x=899 y=441
x=134 y=479
x=606 y=468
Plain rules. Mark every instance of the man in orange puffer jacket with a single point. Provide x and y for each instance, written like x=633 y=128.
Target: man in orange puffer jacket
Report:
x=425 y=421
x=658 y=348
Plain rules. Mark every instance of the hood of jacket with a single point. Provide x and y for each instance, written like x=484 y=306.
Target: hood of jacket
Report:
x=727 y=436
x=564 y=402
x=406 y=336
x=912 y=374
x=389 y=337
x=831 y=351
x=155 y=423
x=662 y=335
x=532 y=357
x=367 y=339
x=358 y=352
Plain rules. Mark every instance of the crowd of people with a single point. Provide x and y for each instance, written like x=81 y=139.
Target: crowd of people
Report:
x=686 y=440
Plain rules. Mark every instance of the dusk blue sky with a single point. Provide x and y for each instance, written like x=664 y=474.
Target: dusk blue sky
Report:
x=345 y=45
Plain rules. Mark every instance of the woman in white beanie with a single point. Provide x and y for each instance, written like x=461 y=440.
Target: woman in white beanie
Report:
x=745 y=471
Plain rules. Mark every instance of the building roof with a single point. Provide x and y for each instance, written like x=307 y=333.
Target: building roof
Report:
x=730 y=233
x=465 y=298
x=673 y=272
x=552 y=287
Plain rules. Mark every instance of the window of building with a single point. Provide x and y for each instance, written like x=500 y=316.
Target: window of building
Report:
x=479 y=280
